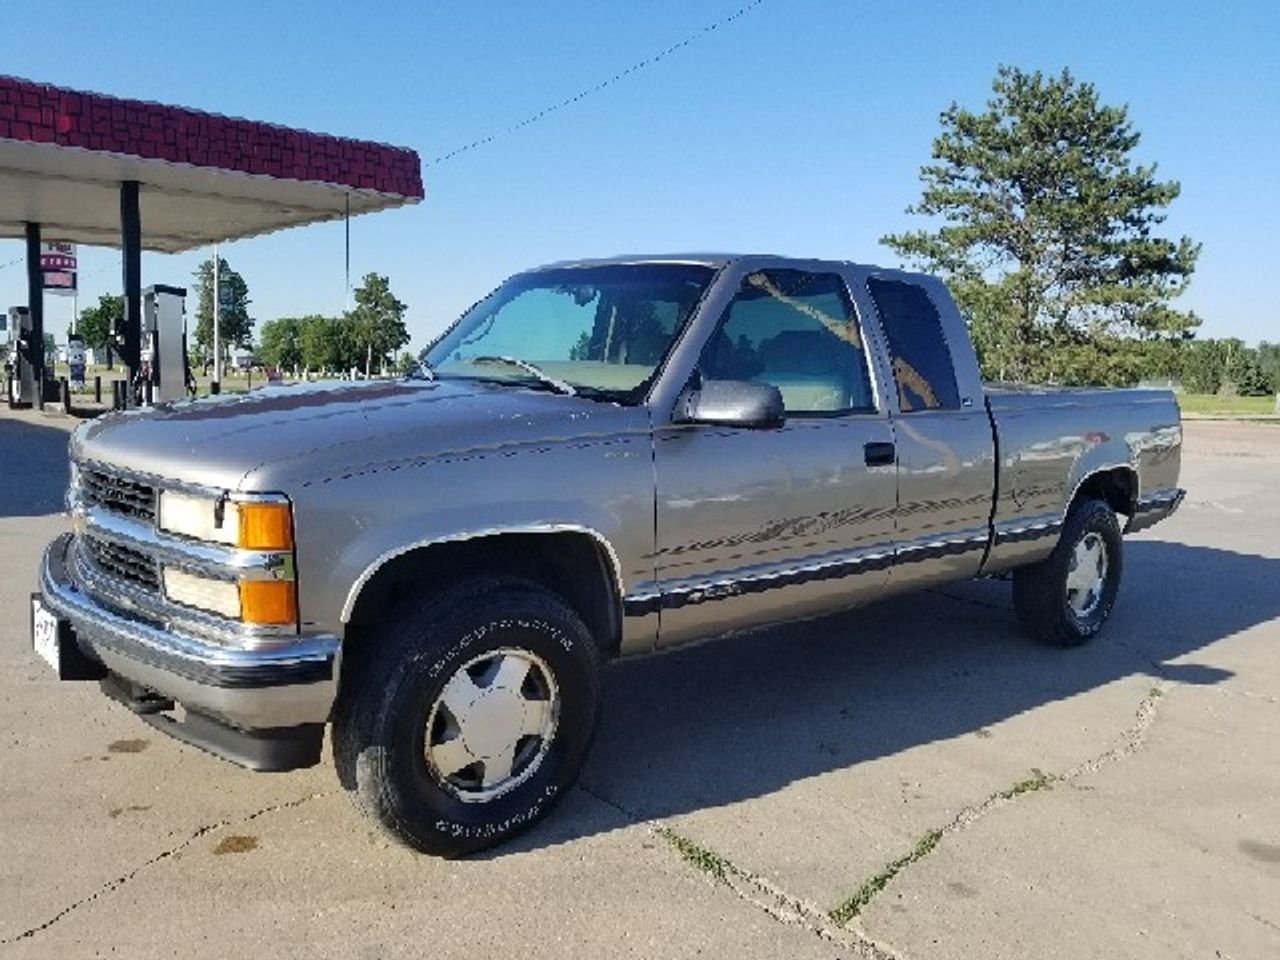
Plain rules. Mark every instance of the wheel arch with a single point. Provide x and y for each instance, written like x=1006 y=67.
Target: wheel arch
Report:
x=578 y=563
x=1115 y=485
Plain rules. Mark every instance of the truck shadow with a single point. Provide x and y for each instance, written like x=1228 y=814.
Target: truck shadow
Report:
x=33 y=468
x=729 y=721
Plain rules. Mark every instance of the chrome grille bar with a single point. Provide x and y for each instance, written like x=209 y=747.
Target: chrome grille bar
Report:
x=122 y=495
x=124 y=562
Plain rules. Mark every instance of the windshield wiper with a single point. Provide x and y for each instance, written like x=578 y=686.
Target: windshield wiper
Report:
x=559 y=386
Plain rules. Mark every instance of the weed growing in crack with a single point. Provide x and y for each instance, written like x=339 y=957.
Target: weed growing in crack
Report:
x=1038 y=781
x=708 y=861
x=846 y=911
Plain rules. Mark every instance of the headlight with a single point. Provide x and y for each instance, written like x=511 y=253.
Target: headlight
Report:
x=250 y=525
x=216 y=596
x=196 y=517
x=263 y=602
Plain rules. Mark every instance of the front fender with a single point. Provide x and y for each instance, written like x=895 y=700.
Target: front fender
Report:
x=349 y=526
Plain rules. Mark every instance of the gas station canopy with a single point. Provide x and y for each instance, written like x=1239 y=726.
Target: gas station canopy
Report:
x=202 y=178
x=88 y=168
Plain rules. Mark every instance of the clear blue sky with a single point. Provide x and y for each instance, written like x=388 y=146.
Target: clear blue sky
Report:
x=800 y=128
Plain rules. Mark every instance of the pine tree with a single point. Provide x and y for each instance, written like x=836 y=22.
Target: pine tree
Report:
x=235 y=326
x=1046 y=229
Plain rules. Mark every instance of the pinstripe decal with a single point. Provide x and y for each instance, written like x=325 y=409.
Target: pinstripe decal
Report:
x=1033 y=531
x=640 y=605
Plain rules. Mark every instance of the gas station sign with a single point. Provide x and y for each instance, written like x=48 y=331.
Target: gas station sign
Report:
x=58 y=266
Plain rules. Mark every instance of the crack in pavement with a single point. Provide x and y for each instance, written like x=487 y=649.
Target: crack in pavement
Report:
x=113 y=885
x=847 y=914
x=1265 y=922
x=843 y=923
x=779 y=905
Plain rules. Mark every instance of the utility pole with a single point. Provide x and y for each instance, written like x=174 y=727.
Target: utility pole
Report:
x=216 y=386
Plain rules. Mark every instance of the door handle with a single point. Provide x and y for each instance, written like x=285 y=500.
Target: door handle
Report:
x=880 y=454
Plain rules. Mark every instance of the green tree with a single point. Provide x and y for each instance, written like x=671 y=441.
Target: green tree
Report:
x=377 y=322
x=95 y=323
x=406 y=363
x=326 y=344
x=1269 y=361
x=235 y=326
x=281 y=343
x=1243 y=374
x=1045 y=228
x=1203 y=363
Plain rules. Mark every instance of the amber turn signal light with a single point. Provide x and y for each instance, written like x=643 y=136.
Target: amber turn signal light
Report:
x=268 y=602
x=265 y=526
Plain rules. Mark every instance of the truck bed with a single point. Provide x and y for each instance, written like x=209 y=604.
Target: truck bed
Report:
x=1050 y=439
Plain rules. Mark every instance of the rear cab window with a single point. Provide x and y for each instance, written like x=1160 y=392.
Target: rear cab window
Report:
x=923 y=367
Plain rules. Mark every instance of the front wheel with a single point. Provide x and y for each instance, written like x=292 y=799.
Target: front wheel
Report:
x=470 y=716
x=1065 y=599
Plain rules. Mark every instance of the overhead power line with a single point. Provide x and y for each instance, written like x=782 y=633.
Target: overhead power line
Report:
x=569 y=101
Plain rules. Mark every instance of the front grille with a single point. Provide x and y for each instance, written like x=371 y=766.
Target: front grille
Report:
x=130 y=498
x=122 y=562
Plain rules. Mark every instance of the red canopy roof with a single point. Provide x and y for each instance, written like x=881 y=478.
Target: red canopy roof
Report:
x=204 y=177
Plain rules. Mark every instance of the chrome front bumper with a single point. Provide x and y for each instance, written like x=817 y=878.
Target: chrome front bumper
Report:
x=285 y=684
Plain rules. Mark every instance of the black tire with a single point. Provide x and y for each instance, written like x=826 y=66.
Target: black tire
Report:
x=1040 y=591
x=380 y=735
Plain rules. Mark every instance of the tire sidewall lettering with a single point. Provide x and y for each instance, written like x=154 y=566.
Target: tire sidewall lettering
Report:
x=471 y=638
x=479 y=831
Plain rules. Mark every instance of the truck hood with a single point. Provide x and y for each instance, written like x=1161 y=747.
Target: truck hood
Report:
x=253 y=441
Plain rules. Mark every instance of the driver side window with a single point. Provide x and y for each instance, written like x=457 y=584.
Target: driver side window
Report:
x=799 y=332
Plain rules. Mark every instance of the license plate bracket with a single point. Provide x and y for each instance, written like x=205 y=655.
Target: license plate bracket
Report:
x=54 y=642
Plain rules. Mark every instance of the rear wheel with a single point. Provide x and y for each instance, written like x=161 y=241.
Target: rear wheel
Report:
x=469 y=717
x=1065 y=599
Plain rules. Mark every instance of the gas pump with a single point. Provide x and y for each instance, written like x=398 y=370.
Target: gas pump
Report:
x=164 y=373
x=76 y=360
x=22 y=371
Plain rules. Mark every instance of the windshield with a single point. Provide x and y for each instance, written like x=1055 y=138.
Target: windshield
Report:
x=601 y=330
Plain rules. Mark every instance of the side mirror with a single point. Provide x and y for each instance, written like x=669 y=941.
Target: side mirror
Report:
x=732 y=403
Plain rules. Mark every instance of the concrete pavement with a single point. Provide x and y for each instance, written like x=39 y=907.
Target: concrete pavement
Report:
x=909 y=780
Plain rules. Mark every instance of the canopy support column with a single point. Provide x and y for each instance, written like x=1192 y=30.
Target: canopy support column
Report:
x=35 y=309
x=131 y=262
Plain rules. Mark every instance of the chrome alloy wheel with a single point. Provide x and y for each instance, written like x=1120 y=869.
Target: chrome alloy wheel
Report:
x=1087 y=575
x=492 y=725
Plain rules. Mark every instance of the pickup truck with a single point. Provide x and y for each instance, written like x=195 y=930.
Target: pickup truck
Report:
x=600 y=459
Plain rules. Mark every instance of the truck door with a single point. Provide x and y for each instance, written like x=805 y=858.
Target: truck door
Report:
x=946 y=456
x=759 y=524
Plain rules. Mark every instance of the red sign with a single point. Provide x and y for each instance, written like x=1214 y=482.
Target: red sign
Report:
x=58 y=256
x=58 y=263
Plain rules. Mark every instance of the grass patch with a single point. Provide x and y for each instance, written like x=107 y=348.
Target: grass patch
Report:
x=846 y=911
x=1039 y=780
x=1210 y=404
x=708 y=861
